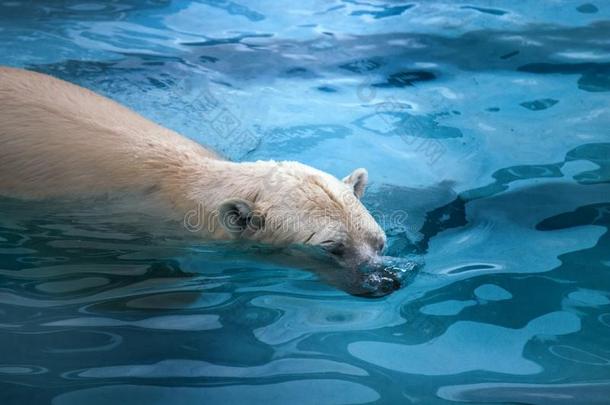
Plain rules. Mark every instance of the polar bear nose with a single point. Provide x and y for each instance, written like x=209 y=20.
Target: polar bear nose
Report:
x=380 y=283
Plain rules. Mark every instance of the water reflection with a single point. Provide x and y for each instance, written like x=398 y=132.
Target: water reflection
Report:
x=284 y=392
x=511 y=217
x=458 y=349
x=537 y=394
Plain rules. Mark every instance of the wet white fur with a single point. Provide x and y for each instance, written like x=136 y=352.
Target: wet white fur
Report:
x=59 y=140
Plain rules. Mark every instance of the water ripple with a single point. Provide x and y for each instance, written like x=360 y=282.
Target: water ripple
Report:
x=278 y=393
x=486 y=125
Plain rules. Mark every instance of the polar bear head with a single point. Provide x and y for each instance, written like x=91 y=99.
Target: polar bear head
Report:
x=290 y=203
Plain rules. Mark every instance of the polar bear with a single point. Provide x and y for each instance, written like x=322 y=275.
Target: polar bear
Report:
x=59 y=140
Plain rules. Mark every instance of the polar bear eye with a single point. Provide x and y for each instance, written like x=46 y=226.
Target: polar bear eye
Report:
x=333 y=247
x=338 y=249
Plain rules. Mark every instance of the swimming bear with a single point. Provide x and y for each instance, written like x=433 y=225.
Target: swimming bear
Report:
x=59 y=140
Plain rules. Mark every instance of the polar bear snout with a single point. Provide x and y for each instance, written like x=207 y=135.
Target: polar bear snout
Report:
x=380 y=283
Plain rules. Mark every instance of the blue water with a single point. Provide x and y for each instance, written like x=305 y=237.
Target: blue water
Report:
x=486 y=122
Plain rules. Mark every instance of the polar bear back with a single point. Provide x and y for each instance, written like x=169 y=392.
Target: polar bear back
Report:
x=57 y=139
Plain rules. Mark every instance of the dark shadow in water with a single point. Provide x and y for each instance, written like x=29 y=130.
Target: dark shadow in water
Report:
x=405 y=232
x=452 y=214
x=593 y=214
x=533 y=49
x=479 y=50
x=407 y=78
x=588 y=268
x=595 y=77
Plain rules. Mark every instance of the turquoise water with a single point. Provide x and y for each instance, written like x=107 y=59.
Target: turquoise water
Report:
x=487 y=123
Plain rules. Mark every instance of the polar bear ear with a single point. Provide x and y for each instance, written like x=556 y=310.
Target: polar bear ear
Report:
x=357 y=181
x=237 y=216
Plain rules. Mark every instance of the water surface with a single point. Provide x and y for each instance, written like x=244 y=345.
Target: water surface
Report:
x=487 y=122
